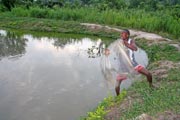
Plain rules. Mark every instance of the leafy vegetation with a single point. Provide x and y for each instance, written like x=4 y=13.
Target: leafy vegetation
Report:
x=100 y=111
x=140 y=19
x=101 y=4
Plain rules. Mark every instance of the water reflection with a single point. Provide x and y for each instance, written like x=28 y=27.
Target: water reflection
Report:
x=11 y=45
x=94 y=49
x=53 y=79
x=61 y=42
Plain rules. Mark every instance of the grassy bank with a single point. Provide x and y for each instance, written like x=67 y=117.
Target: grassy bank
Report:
x=50 y=25
x=166 y=97
x=101 y=110
x=38 y=34
x=163 y=22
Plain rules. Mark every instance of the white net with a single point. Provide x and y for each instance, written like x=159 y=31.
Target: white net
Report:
x=117 y=62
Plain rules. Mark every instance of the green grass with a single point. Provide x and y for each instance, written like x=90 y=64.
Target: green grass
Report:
x=158 y=52
x=101 y=110
x=157 y=21
x=67 y=36
x=50 y=25
x=167 y=97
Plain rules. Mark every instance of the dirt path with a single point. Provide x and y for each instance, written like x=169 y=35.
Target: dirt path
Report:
x=137 y=34
x=153 y=38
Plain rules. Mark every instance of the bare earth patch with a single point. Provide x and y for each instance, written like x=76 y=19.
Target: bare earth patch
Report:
x=167 y=115
x=119 y=108
x=162 y=68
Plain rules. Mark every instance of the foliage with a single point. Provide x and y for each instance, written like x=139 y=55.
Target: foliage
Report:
x=38 y=12
x=161 y=21
x=101 y=111
x=113 y=4
x=2 y=8
x=97 y=115
x=9 y=4
x=100 y=4
x=149 y=15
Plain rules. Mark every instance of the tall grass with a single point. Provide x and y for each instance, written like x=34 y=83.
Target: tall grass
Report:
x=159 y=21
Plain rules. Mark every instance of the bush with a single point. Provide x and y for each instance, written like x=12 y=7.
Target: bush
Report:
x=19 y=11
x=2 y=8
x=39 y=12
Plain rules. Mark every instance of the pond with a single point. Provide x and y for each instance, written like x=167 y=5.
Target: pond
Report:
x=50 y=78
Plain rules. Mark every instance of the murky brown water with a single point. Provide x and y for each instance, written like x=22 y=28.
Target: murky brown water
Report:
x=49 y=78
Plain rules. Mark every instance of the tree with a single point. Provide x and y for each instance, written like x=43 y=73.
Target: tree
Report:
x=9 y=4
x=85 y=2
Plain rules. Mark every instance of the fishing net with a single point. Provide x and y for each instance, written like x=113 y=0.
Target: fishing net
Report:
x=116 y=62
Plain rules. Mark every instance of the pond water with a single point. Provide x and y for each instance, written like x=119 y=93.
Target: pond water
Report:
x=50 y=78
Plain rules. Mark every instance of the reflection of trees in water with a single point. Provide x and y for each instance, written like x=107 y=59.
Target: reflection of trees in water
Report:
x=61 y=42
x=12 y=45
x=93 y=51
